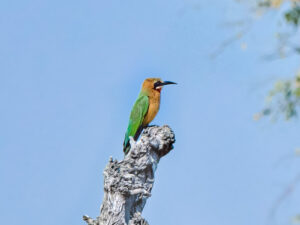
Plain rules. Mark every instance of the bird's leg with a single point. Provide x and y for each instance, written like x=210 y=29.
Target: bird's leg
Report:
x=151 y=125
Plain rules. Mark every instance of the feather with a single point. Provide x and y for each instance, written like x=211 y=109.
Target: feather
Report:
x=136 y=119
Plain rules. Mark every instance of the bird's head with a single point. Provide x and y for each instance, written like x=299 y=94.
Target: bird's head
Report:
x=155 y=84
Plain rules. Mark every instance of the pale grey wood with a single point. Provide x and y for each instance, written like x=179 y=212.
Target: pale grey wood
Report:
x=128 y=183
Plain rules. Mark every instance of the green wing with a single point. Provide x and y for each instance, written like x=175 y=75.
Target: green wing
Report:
x=137 y=116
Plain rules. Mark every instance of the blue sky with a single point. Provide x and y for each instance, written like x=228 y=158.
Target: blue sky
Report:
x=70 y=73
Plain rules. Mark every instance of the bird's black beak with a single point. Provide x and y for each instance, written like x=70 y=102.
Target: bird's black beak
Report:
x=160 y=84
x=167 y=82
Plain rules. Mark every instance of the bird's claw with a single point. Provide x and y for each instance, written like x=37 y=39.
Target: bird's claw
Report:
x=151 y=125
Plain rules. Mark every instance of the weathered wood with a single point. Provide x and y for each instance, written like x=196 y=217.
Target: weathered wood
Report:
x=128 y=183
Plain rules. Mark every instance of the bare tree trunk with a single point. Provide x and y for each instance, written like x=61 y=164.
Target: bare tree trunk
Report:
x=128 y=183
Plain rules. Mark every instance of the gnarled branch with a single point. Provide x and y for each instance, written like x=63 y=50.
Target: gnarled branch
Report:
x=128 y=183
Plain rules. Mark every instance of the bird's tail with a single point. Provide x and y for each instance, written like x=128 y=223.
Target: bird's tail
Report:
x=126 y=144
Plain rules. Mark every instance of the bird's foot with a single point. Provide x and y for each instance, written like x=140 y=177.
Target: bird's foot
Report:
x=151 y=126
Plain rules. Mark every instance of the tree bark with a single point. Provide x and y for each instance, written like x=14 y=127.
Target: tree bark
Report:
x=128 y=183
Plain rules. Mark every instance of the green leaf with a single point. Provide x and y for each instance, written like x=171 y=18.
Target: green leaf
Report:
x=293 y=15
x=297 y=92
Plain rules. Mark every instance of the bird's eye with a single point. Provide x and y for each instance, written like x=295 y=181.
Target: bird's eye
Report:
x=157 y=84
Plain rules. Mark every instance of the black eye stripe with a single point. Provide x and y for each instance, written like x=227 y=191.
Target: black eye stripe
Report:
x=157 y=83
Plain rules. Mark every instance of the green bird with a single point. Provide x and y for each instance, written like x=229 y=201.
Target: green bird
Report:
x=144 y=109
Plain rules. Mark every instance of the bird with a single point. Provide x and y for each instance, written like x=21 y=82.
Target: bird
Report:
x=144 y=109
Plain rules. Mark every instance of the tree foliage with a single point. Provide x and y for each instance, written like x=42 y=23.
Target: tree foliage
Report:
x=284 y=97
